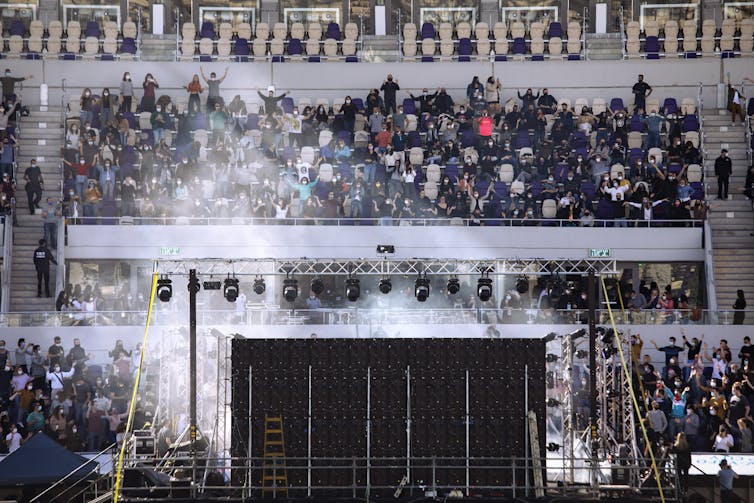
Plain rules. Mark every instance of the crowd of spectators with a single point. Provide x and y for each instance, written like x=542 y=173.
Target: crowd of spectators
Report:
x=391 y=155
x=700 y=398
x=62 y=394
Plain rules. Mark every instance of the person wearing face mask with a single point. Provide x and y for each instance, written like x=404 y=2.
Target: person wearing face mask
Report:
x=35 y=421
x=126 y=93
x=34 y=185
x=9 y=82
x=654 y=122
x=723 y=171
x=425 y=100
x=159 y=121
x=149 y=85
x=389 y=89
x=349 y=111
x=13 y=440
x=213 y=87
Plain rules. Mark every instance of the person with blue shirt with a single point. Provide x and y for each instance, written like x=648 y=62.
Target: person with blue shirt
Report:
x=671 y=351
x=304 y=188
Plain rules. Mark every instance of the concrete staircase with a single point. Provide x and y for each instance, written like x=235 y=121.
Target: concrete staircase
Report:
x=41 y=139
x=604 y=46
x=731 y=220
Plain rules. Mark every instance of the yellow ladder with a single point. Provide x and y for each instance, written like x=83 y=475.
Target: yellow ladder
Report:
x=274 y=477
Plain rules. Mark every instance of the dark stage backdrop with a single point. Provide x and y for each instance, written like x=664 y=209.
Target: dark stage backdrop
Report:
x=280 y=384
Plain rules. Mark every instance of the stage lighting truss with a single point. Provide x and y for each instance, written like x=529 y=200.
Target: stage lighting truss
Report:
x=385 y=267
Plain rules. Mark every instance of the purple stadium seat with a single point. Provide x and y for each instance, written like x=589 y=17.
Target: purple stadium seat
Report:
x=207 y=58
x=579 y=139
x=352 y=59
x=198 y=121
x=69 y=56
x=538 y=57
x=207 y=30
x=344 y=169
x=616 y=104
x=128 y=46
x=698 y=191
x=604 y=210
x=409 y=107
x=561 y=171
x=536 y=189
x=428 y=30
x=574 y=57
x=252 y=121
x=523 y=140
x=17 y=28
x=519 y=45
x=295 y=48
x=501 y=189
x=482 y=185
x=359 y=104
x=467 y=138
x=464 y=50
x=636 y=124
x=728 y=55
x=670 y=106
x=652 y=48
x=103 y=57
x=588 y=189
x=333 y=31
x=690 y=55
x=501 y=57
x=92 y=29
x=345 y=136
x=555 y=30
x=287 y=104
x=690 y=123
x=414 y=140
x=130 y=119
x=635 y=154
x=674 y=167
x=322 y=189
x=241 y=50
x=451 y=170
x=313 y=59
x=289 y=153
x=581 y=151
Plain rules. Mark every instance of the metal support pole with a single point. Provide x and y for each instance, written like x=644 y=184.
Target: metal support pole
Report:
x=248 y=449
x=527 y=443
x=408 y=424
x=592 y=313
x=468 y=478
x=309 y=439
x=193 y=288
x=369 y=431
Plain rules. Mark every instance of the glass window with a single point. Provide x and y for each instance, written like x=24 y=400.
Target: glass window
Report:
x=84 y=11
x=662 y=12
x=313 y=11
x=361 y=14
x=26 y=11
x=234 y=12
x=544 y=11
x=738 y=10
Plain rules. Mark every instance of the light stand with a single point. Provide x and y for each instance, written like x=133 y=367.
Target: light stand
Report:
x=193 y=288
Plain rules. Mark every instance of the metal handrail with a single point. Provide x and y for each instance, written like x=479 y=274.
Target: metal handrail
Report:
x=138 y=35
x=60 y=256
x=622 y=34
x=73 y=472
x=709 y=266
x=375 y=221
x=258 y=314
x=7 y=260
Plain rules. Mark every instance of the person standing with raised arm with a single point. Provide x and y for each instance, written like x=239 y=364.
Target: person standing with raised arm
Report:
x=213 y=88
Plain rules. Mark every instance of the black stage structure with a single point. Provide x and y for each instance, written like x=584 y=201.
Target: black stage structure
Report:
x=398 y=403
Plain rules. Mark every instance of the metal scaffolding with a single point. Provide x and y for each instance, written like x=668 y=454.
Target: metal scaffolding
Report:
x=384 y=266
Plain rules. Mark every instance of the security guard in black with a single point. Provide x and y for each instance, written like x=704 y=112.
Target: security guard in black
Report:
x=42 y=259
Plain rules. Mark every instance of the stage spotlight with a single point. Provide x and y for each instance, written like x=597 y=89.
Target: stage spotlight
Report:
x=352 y=289
x=259 y=286
x=553 y=447
x=578 y=334
x=454 y=286
x=582 y=354
x=290 y=289
x=550 y=337
x=230 y=289
x=551 y=358
x=551 y=402
x=164 y=289
x=421 y=289
x=317 y=286
x=522 y=284
x=385 y=285
x=484 y=289
x=608 y=336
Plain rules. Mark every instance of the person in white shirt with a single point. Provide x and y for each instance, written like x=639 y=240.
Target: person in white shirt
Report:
x=723 y=440
x=56 y=378
x=647 y=208
x=616 y=189
x=13 y=439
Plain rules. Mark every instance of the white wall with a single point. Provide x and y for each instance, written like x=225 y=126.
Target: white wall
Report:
x=606 y=79
x=219 y=241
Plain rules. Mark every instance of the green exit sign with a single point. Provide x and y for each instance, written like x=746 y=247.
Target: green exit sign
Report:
x=170 y=250
x=600 y=252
